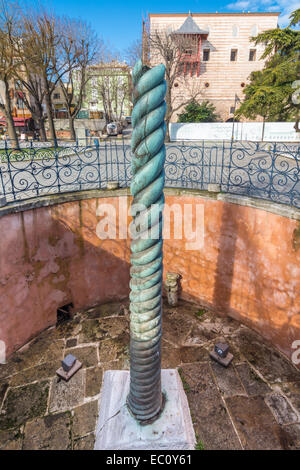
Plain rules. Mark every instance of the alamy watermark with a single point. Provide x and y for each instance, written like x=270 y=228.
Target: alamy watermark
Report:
x=2 y=352
x=296 y=94
x=188 y=222
x=296 y=353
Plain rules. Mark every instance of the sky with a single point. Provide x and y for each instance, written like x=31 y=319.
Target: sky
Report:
x=119 y=21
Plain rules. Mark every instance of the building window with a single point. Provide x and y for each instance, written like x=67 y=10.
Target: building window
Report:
x=188 y=51
x=235 y=31
x=206 y=53
x=233 y=55
x=254 y=30
x=252 y=55
x=56 y=96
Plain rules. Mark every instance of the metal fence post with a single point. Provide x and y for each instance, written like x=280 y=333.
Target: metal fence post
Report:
x=97 y=146
x=149 y=129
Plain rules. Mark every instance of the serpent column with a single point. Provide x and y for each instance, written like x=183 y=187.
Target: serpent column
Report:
x=145 y=396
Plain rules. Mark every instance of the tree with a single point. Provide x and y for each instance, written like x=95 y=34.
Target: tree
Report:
x=295 y=17
x=114 y=86
x=270 y=91
x=171 y=50
x=199 y=112
x=42 y=50
x=31 y=91
x=40 y=42
x=80 y=48
x=9 y=35
x=134 y=52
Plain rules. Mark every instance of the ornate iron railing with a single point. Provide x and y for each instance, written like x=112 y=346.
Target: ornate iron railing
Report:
x=264 y=170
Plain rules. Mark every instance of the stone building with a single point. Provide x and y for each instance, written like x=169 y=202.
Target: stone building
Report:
x=20 y=113
x=217 y=66
x=107 y=92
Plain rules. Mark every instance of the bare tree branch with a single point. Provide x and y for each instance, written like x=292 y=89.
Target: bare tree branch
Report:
x=171 y=50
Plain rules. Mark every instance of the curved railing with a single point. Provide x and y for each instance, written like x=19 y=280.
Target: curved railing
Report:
x=268 y=171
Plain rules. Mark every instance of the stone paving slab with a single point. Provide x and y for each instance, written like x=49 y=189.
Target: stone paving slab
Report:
x=176 y=327
x=292 y=391
x=228 y=380
x=40 y=372
x=193 y=354
x=52 y=432
x=67 y=395
x=84 y=419
x=291 y=437
x=254 y=404
x=113 y=348
x=71 y=342
x=93 y=381
x=251 y=381
x=11 y=440
x=23 y=403
x=281 y=409
x=210 y=418
x=85 y=443
x=87 y=355
x=265 y=359
x=41 y=350
x=170 y=358
x=108 y=310
x=96 y=330
x=69 y=329
x=255 y=423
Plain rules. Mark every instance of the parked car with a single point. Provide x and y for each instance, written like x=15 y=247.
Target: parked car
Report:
x=128 y=119
x=114 y=128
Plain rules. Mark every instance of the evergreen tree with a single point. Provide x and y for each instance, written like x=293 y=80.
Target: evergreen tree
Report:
x=198 y=112
x=270 y=91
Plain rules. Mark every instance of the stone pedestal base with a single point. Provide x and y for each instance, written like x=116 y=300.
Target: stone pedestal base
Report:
x=118 y=430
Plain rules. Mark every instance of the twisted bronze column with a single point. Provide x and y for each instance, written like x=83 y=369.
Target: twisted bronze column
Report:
x=145 y=396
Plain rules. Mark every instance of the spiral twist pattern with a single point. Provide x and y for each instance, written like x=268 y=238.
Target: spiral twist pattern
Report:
x=145 y=397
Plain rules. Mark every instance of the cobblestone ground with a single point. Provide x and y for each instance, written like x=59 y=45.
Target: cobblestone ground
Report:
x=254 y=404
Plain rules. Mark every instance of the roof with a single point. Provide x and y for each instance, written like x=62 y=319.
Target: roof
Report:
x=190 y=27
x=275 y=13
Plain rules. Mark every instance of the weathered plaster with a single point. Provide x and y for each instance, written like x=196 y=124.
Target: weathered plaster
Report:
x=249 y=267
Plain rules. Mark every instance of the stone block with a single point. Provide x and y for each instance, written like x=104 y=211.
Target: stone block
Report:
x=214 y=188
x=117 y=429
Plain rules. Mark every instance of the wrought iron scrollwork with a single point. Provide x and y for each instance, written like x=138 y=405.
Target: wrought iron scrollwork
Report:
x=258 y=169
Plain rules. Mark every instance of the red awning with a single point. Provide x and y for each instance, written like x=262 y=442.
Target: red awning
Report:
x=18 y=121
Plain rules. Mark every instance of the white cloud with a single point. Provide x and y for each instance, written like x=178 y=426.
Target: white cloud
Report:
x=273 y=8
x=240 y=5
x=267 y=2
x=286 y=7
